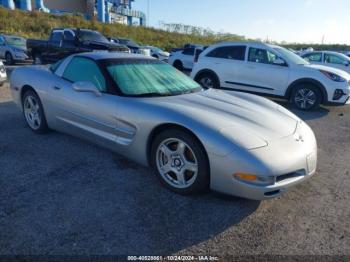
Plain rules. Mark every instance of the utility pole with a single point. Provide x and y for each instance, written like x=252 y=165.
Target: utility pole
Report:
x=148 y=10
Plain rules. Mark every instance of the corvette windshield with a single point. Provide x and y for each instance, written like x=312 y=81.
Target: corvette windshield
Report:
x=150 y=78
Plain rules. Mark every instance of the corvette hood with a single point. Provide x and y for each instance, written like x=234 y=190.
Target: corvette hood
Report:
x=336 y=71
x=248 y=120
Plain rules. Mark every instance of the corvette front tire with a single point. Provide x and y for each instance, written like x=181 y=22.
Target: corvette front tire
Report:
x=180 y=162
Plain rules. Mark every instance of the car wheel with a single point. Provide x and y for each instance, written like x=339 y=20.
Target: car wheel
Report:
x=34 y=113
x=8 y=59
x=178 y=65
x=180 y=162
x=37 y=60
x=208 y=80
x=306 y=97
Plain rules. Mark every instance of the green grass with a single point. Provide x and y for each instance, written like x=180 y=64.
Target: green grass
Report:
x=38 y=25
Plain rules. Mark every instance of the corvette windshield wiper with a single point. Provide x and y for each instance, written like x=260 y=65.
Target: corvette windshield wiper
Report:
x=153 y=94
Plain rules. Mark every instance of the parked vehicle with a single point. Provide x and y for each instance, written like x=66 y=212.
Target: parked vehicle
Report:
x=64 y=42
x=271 y=70
x=184 y=58
x=158 y=53
x=134 y=47
x=194 y=139
x=173 y=50
x=13 y=49
x=328 y=58
x=3 y=75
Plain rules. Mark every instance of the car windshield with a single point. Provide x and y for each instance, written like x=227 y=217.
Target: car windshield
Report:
x=291 y=56
x=16 y=41
x=87 y=35
x=150 y=78
x=156 y=49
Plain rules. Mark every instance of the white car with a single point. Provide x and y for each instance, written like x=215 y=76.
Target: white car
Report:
x=3 y=75
x=183 y=59
x=328 y=58
x=158 y=53
x=271 y=70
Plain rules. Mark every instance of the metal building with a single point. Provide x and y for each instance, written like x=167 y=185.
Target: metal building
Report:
x=107 y=11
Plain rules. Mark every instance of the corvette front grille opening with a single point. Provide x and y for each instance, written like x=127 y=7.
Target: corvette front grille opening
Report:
x=288 y=176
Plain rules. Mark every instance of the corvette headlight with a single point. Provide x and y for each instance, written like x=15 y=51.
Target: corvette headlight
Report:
x=332 y=76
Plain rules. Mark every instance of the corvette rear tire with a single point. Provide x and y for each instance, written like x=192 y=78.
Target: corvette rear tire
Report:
x=34 y=113
x=180 y=162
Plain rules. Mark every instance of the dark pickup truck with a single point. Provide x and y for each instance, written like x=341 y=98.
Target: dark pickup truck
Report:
x=64 y=42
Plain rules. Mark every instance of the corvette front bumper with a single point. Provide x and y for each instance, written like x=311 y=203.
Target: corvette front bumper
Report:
x=290 y=160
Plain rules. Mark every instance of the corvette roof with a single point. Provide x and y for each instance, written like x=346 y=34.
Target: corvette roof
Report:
x=112 y=55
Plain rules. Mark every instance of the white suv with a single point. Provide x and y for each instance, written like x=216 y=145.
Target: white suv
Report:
x=271 y=70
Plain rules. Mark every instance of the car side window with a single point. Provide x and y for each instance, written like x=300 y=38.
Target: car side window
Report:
x=188 y=51
x=68 y=36
x=2 y=40
x=333 y=59
x=262 y=56
x=229 y=52
x=314 y=57
x=56 y=36
x=84 y=69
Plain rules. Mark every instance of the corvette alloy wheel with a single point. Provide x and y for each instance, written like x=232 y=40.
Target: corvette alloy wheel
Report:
x=177 y=163
x=32 y=112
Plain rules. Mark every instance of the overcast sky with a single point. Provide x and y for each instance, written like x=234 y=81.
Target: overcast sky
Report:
x=305 y=21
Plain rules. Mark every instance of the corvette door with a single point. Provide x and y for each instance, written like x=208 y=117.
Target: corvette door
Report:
x=85 y=114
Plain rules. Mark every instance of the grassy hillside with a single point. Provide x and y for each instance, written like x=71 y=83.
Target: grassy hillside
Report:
x=39 y=25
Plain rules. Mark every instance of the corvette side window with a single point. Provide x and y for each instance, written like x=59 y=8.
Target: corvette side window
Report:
x=83 y=69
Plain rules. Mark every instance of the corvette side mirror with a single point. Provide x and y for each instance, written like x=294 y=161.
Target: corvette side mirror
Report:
x=86 y=86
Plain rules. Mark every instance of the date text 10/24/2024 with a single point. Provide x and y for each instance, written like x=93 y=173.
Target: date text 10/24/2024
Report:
x=172 y=258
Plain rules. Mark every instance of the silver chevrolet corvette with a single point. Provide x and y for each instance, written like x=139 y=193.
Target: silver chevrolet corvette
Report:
x=195 y=139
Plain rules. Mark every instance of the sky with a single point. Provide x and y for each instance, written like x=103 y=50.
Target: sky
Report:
x=302 y=21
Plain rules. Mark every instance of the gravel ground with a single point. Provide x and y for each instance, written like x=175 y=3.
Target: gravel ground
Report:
x=61 y=195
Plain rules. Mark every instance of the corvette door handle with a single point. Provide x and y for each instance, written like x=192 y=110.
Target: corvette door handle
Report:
x=56 y=88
